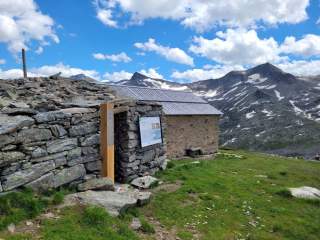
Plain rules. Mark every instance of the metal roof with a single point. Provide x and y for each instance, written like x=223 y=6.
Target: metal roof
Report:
x=173 y=102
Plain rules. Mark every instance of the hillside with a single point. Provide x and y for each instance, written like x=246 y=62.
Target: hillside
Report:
x=264 y=108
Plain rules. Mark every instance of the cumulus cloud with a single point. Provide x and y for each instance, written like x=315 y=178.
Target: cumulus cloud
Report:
x=121 y=57
x=207 y=72
x=172 y=54
x=203 y=15
x=117 y=76
x=22 y=22
x=301 y=67
x=308 y=46
x=48 y=70
x=2 y=61
x=238 y=46
x=152 y=73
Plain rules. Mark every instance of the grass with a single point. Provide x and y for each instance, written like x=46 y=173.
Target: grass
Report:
x=238 y=195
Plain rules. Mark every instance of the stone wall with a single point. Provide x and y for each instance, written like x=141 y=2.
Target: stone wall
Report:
x=183 y=132
x=131 y=159
x=48 y=149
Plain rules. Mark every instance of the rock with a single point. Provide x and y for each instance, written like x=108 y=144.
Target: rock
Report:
x=1 y=188
x=90 y=141
x=22 y=177
x=78 y=110
x=19 y=111
x=58 y=157
x=61 y=145
x=135 y=224
x=74 y=157
x=90 y=151
x=84 y=129
x=7 y=158
x=305 y=192
x=10 y=124
x=114 y=203
x=148 y=156
x=94 y=166
x=144 y=182
x=6 y=139
x=142 y=197
x=51 y=116
x=39 y=152
x=34 y=135
x=11 y=228
x=58 y=131
x=68 y=175
x=164 y=164
x=43 y=183
x=97 y=184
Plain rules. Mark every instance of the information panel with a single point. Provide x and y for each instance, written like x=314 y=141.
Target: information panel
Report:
x=150 y=131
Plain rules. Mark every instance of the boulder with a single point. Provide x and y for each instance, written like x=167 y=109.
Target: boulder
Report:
x=68 y=175
x=58 y=131
x=10 y=124
x=97 y=184
x=90 y=141
x=43 y=183
x=94 y=166
x=52 y=116
x=84 y=129
x=7 y=158
x=144 y=182
x=22 y=177
x=61 y=145
x=305 y=192
x=6 y=139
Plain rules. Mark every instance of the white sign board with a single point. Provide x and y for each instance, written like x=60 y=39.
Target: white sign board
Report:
x=150 y=131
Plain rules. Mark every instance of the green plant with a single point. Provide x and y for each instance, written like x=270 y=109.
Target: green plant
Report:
x=146 y=227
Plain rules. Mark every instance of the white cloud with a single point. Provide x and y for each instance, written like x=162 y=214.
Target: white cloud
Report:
x=2 y=61
x=205 y=14
x=301 y=67
x=48 y=70
x=105 y=16
x=117 y=76
x=318 y=21
x=22 y=22
x=121 y=57
x=308 y=46
x=237 y=47
x=208 y=72
x=172 y=54
x=152 y=73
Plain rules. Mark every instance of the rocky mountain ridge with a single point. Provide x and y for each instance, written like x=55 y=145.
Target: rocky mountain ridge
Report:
x=265 y=108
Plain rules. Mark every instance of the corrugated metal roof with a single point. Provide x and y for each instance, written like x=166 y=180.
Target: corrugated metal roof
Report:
x=173 y=102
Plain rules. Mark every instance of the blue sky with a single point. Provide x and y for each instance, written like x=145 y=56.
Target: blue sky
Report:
x=179 y=40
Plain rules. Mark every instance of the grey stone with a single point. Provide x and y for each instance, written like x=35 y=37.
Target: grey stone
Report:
x=10 y=124
x=84 y=129
x=78 y=110
x=61 y=145
x=22 y=177
x=7 y=158
x=9 y=147
x=68 y=175
x=58 y=157
x=164 y=164
x=90 y=151
x=90 y=141
x=135 y=224
x=58 y=131
x=1 y=187
x=43 y=183
x=6 y=139
x=52 y=116
x=11 y=169
x=74 y=157
x=105 y=184
x=93 y=166
x=305 y=192
x=144 y=182
x=34 y=135
x=142 y=197
x=148 y=156
x=19 y=111
x=91 y=158
x=39 y=152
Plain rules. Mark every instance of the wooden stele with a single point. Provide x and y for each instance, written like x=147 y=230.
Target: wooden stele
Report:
x=107 y=140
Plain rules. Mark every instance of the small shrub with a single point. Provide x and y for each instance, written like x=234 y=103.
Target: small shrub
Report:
x=58 y=197
x=93 y=216
x=283 y=173
x=146 y=227
x=185 y=235
x=170 y=165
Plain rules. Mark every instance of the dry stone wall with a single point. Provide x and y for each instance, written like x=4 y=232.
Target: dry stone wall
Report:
x=49 y=149
x=132 y=160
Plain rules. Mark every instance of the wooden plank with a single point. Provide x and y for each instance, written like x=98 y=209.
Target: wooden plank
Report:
x=107 y=140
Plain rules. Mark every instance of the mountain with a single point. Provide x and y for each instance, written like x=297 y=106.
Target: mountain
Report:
x=82 y=77
x=265 y=109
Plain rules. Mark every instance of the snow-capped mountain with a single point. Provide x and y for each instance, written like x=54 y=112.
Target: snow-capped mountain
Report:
x=265 y=109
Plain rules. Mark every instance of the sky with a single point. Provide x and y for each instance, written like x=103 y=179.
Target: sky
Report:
x=176 y=40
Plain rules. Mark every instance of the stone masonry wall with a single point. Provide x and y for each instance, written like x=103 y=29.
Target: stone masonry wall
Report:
x=131 y=159
x=48 y=149
x=183 y=132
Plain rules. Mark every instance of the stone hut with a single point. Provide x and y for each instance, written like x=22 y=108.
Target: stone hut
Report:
x=52 y=134
x=191 y=124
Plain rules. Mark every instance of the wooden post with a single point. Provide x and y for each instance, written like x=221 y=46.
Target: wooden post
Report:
x=107 y=140
x=24 y=65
